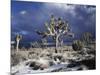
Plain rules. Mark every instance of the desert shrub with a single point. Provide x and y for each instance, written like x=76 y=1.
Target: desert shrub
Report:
x=23 y=49
x=16 y=58
x=32 y=55
x=36 y=45
x=77 y=45
x=43 y=43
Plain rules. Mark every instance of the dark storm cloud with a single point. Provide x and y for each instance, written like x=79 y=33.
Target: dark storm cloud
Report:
x=28 y=16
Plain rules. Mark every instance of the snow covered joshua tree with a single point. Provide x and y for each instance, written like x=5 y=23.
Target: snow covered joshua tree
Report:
x=56 y=28
x=18 y=38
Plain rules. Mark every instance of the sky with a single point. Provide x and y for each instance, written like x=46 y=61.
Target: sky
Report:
x=28 y=16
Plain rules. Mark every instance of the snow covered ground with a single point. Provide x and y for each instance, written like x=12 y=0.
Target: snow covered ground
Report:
x=24 y=67
x=55 y=62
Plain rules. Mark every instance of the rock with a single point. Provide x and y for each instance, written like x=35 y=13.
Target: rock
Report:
x=90 y=63
x=34 y=65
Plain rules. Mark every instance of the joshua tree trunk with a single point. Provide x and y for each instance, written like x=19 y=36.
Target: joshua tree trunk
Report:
x=57 y=42
x=56 y=48
x=17 y=46
x=18 y=38
x=61 y=44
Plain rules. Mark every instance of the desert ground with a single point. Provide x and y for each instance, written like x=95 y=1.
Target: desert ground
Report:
x=37 y=60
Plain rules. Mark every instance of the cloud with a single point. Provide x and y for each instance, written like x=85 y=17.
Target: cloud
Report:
x=24 y=32
x=80 y=17
x=65 y=8
x=23 y=12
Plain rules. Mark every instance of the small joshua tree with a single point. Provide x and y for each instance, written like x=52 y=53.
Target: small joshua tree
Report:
x=87 y=38
x=18 y=38
x=56 y=28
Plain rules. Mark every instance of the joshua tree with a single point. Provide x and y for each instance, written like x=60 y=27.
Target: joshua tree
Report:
x=87 y=38
x=56 y=28
x=18 y=38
